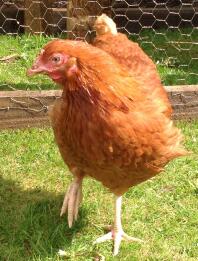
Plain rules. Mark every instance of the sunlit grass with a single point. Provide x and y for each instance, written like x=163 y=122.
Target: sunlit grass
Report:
x=13 y=74
x=33 y=179
x=174 y=51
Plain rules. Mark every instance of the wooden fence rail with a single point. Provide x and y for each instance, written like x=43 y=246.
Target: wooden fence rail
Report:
x=22 y=109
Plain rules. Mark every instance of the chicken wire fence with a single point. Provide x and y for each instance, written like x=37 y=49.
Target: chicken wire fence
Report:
x=166 y=30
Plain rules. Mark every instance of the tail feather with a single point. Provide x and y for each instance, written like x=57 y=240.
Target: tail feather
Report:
x=105 y=24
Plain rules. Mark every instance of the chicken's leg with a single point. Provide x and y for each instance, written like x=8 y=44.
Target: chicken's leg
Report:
x=72 y=200
x=117 y=233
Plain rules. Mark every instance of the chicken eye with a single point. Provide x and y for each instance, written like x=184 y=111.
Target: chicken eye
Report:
x=56 y=59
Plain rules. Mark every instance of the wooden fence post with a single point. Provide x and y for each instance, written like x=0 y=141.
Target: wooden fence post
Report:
x=81 y=16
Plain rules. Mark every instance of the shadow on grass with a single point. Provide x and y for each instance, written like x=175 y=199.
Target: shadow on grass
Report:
x=30 y=224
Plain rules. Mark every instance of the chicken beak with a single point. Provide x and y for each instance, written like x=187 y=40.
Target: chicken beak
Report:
x=36 y=68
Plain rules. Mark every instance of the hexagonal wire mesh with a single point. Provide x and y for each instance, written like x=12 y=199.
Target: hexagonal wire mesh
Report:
x=166 y=30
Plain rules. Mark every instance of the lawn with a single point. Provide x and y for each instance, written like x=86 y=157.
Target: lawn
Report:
x=13 y=74
x=162 y=211
x=174 y=51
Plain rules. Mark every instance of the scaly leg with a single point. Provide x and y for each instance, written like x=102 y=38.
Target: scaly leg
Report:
x=117 y=233
x=72 y=200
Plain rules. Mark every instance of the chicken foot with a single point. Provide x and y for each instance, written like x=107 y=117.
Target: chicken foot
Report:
x=72 y=200
x=117 y=234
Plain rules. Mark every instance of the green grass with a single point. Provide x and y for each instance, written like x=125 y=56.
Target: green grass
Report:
x=33 y=180
x=13 y=74
x=174 y=51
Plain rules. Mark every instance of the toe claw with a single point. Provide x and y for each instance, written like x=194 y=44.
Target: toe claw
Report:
x=117 y=237
x=72 y=202
x=71 y=206
x=65 y=202
x=129 y=238
x=77 y=203
x=117 y=241
x=101 y=239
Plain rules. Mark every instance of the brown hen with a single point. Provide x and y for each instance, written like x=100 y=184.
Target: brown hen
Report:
x=130 y=55
x=105 y=125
